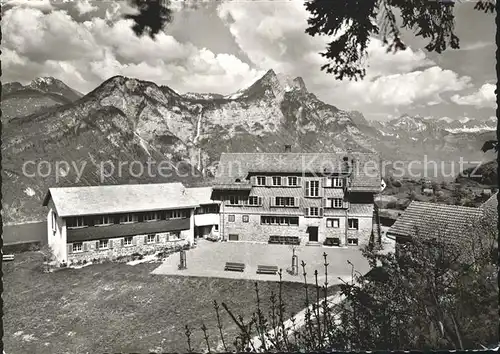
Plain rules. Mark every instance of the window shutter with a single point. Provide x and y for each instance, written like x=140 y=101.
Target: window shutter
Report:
x=134 y=240
x=253 y=180
x=325 y=203
x=122 y=241
x=346 y=204
x=110 y=243
x=157 y=238
x=272 y=201
x=320 y=211
x=145 y=239
x=269 y=181
x=299 y=181
x=296 y=201
x=70 y=248
x=307 y=189
x=97 y=245
x=284 y=181
x=85 y=246
x=306 y=211
x=323 y=182
x=260 y=201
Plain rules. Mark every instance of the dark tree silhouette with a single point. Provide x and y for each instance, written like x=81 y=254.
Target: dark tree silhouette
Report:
x=152 y=17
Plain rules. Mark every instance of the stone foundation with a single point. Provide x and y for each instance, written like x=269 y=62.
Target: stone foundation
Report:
x=116 y=248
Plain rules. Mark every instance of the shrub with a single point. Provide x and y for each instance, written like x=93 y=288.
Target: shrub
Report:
x=397 y=183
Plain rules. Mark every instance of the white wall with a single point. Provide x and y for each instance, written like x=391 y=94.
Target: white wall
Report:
x=206 y=219
x=56 y=239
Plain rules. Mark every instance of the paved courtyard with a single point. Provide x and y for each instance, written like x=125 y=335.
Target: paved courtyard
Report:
x=208 y=260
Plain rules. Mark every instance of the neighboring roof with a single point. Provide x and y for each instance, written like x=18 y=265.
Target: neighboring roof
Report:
x=366 y=174
x=202 y=195
x=95 y=200
x=430 y=220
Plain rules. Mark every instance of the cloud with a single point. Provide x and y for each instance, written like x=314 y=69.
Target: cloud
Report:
x=43 y=5
x=83 y=54
x=484 y=97
x=85 y=7
x=273 y=36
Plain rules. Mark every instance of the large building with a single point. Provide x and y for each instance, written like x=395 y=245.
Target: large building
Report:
x=306 y=198
x=86 y=223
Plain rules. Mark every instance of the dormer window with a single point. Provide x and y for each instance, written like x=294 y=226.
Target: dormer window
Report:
x=276 y=181
x=238 y=180
x=261 y=180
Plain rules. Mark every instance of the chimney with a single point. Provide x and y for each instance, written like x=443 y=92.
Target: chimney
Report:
x=288 y=148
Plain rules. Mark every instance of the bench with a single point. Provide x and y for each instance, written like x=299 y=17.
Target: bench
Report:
x=7 y=257
x=263 y=269
x=234 y=267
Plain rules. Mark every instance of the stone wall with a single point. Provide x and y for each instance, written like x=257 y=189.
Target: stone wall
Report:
x=254 y=231
x=116 y=248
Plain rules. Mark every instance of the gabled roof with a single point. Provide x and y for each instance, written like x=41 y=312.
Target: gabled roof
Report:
x=366 y=172
x=430 y=220
x=202 y=195
x=98 y=200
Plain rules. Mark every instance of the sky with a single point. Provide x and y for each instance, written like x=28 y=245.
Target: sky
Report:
x=223 y=46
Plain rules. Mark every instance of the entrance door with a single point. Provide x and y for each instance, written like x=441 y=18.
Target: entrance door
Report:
x=313 y=233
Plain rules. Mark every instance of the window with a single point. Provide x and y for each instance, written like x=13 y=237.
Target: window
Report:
x=103 y=244
x=352 y=241
x=216 y=227
x=285 y=201
x=77 y=247
x=177 y=214
x=151 y=238
x=233 y=237
x=335 y=223
x=230 y=218
x=313 y=211
x=103 y=220
x=353 y=224
x=245 y=218
x=292 y=181
x=276 y=181
x=151 y=216
x=128 y=218
x=279 y=220
x=207 y=209
x=54 y=222
x=254 y=201
x=261 y=180
x=337 y=182
x=233 y=200
x=312 y=189
x=336 y=203
x=78 y=221
x=127 y=241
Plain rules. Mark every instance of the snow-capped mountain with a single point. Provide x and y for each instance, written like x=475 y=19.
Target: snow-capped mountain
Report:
x=41 y=93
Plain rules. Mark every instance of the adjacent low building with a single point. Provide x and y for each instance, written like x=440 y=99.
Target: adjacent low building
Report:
x=460 y=227
x=86 y=223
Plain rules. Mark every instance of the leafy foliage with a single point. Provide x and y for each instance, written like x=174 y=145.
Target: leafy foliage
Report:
x=152 y=17
x=429 y=295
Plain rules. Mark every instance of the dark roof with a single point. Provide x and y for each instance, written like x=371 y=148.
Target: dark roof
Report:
x=366 y=172
x=435 y=221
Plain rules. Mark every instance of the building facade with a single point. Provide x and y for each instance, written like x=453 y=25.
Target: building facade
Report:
x=87 y=223
x=317 y=198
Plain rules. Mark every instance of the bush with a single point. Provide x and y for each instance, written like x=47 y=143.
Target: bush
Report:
x=397 y=183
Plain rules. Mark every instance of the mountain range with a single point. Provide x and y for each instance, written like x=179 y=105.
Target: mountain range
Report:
x=48 y=124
